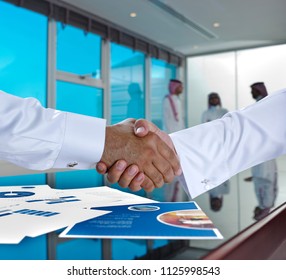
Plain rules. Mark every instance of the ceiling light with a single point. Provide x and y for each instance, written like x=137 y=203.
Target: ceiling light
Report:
x=216 y=24
x=133 y=14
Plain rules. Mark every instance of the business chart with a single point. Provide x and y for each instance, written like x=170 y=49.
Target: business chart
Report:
x=30 y=211
x=165 y=220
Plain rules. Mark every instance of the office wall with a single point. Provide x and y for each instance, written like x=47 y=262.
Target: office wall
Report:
x=230 y=74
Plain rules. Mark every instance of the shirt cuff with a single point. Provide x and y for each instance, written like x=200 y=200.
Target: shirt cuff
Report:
x=202 y=159
x=83 y=142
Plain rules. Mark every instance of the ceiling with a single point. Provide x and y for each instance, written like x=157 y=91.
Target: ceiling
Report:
x=186 y=26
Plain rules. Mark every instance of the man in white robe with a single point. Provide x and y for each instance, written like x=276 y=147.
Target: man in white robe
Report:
x=173 y=120
x=216 y=111
x=264 y=175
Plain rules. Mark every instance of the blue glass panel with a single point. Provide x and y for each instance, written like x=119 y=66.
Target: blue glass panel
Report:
x=23 y=66
x=23 y=52
x=81 y=100
x=127 y=84
x=78 y=52
x=161 y=73
x=123 y=249
x=159 y=243
x=23 y=180
x=27 y=249
x=127 y=87
x=78 y=179
x=79 y=249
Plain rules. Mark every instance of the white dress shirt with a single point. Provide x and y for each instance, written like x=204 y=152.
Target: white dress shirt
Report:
x=213 y=152
x=38 y=138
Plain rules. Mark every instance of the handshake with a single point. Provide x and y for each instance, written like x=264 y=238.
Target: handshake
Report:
x=137 y=154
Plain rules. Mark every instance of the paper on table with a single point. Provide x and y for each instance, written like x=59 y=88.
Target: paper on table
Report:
x=35 y=210
x=175 y=220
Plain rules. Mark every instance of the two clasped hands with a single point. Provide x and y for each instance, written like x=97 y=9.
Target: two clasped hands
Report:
x=137 y=154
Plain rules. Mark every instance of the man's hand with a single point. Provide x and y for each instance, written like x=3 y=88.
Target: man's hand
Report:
x=145 y=161
x=131 y=175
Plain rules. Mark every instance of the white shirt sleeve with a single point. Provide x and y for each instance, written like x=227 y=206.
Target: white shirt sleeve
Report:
x=213 y=152
x=37 y=138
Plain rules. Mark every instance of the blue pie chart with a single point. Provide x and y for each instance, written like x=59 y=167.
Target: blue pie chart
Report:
x=15 y=194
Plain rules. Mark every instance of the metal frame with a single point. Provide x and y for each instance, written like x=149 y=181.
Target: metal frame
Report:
x=51 y=102
x=54 y=75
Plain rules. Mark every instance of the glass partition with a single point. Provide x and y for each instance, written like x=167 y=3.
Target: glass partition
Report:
x=127 y=84
x=78 y=52
x=23 y=68
x=78 y=90
x=259 y=65
x=231 y=74
x=161 y=73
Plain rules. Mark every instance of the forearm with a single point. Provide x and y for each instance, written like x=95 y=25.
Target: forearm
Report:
x=213 y=152
x=38 y=138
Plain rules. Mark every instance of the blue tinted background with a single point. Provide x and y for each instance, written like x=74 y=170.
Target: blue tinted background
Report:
x=23 y=56
x=23 y=52
x=77 y=51
x=161 y=73
x=81 y=100
x=23 y=65
x=127 y=83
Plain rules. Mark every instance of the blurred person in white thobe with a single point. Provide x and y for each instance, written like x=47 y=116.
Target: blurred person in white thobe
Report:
x=264 y=175
x=216 y=111
x=173 y=120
